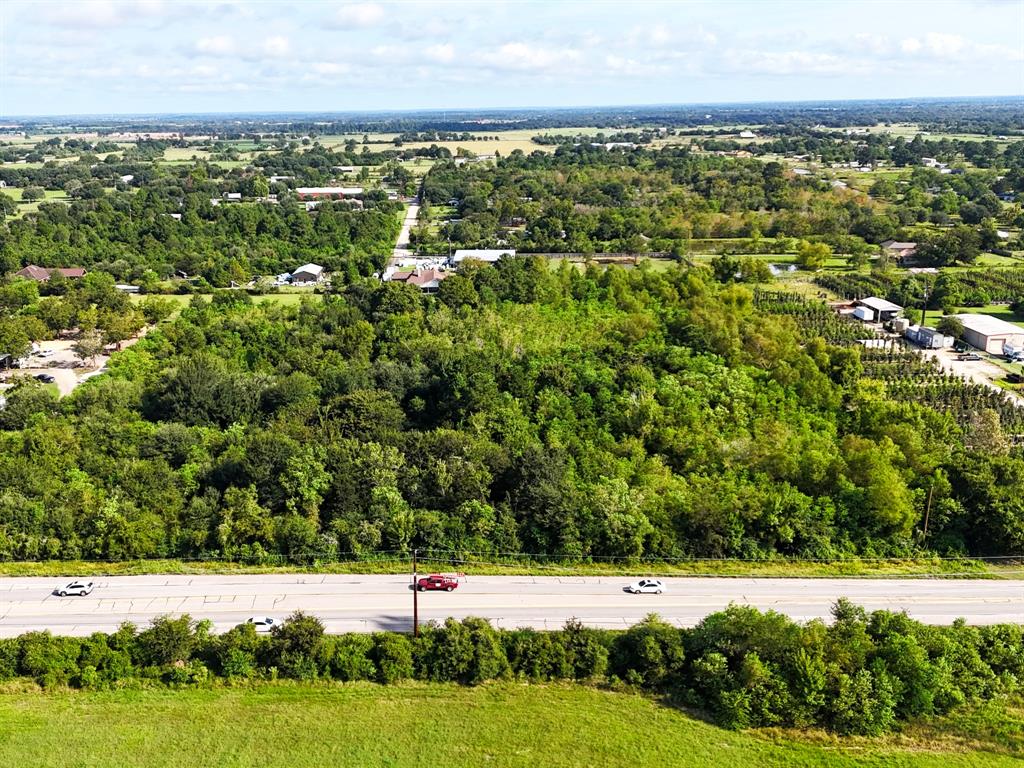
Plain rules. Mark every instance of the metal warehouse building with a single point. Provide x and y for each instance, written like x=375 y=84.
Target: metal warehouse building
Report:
x=990 y=333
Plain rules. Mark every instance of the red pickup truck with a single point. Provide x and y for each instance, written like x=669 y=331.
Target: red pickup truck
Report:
x=436 y=581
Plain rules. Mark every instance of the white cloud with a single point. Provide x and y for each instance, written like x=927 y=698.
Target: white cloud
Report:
x=910 y=45
x=330 y=68
x=523 y=57
x=218 y=45
x=359 y=15
x=443 y=53
x=792 y=63
x=943 y=45
x=277 y=46
x=99 y=14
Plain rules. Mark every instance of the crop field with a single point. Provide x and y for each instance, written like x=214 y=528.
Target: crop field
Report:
x=369 y=726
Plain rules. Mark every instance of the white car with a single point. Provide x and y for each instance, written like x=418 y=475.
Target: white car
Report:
x=45 y=353
x=80 y=588
x=646 y=587
x=263 y=623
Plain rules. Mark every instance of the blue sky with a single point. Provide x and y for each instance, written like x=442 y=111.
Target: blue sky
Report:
x=106 y=56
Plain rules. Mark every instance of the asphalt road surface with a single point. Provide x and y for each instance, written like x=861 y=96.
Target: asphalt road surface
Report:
x=355 y=603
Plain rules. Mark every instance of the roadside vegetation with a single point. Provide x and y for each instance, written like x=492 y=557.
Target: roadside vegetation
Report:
x=956 y=567
x=859 y=675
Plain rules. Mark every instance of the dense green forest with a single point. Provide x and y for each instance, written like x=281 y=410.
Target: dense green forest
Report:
x=580 y=414
x=584 y=199
x=128 y=234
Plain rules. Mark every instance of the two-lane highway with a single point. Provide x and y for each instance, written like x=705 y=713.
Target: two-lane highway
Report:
x=355 y=603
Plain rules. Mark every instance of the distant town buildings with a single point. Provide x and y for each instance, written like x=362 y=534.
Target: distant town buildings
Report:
x=310 y=193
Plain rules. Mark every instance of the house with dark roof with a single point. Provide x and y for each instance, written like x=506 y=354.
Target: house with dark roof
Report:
x=42 y=274
x=427 y=280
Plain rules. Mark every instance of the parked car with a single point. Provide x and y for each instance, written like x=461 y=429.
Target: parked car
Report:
x=646 y=587
x=80 y=588
x=263 y=623
x=969 y=356
x=45 y=353
x=46 y=378
x=436 y=581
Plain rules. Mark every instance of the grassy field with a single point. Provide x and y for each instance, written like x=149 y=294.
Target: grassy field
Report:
x=183 y=299
x=923 y=567
x=415 y=725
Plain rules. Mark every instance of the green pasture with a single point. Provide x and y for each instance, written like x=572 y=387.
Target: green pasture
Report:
x=502 y=725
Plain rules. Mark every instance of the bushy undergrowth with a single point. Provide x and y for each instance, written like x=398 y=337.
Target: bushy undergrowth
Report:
x=861 y=674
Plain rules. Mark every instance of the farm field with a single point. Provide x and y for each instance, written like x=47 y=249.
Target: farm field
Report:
x=368 y=726
x=285 y=297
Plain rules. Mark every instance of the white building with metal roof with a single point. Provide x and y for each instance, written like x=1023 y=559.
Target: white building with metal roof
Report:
x=990 y=333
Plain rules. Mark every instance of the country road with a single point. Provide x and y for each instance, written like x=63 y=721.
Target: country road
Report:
x=401 y=249
x=356 y=603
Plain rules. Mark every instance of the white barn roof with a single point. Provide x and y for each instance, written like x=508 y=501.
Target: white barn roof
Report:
x=482 y=254
x=879 y=305
x=987 y=325
x=313 y=269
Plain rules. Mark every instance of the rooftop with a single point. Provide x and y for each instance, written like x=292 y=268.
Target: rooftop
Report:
x=988 y=325
x=879 y=305
x=482 y=254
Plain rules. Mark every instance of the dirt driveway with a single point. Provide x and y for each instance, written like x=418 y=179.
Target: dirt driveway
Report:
x=983 y=371
x=56 y=358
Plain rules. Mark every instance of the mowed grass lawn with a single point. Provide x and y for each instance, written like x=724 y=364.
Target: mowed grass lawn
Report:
x=417 y=725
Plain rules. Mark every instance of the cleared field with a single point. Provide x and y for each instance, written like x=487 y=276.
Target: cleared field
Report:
x=185 y=153
x=291 y=297
x=411 y=725
x=49 y=196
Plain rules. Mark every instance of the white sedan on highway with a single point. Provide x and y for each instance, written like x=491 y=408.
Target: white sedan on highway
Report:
x=646 y=587
x=263 y=623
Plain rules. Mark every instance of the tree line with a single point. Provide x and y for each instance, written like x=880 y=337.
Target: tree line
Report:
x=862 y=674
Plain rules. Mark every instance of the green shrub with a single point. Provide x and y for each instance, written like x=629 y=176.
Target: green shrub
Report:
x=587 y=655
x=649 y=653
x=392 y=656
x=536 y=655
x=168 y=640
x=350 y=658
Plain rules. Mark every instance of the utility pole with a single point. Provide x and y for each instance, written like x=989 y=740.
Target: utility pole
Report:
x=924 y=308
x=415 y=598
x=928 y=509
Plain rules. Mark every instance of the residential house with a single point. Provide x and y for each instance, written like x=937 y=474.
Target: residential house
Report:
x=308 y=273
x=42 y=274
x=899 y=251
x=427 y=280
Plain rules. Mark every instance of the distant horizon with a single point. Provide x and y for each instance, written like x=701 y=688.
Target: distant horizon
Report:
x=148 y=57
x=508 y=109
